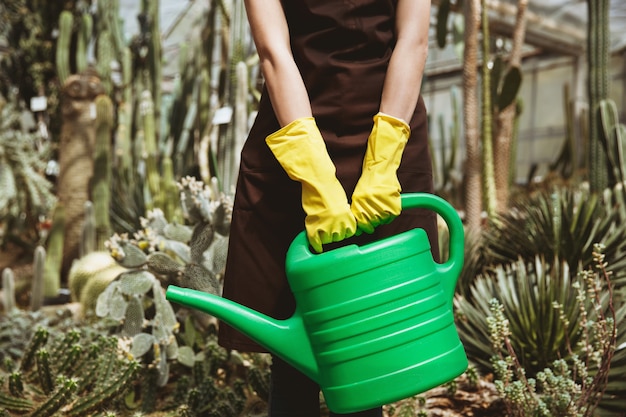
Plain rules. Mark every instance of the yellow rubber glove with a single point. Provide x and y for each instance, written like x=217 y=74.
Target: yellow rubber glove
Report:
x=376 y=198
x=302 y=153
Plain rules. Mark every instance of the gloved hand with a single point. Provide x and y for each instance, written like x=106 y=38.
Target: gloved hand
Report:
x=302 y=153
x=376 y=198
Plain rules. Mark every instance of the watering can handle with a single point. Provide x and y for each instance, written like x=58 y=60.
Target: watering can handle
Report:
x=454 y=264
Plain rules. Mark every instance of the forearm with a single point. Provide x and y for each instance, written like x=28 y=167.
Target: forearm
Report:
x=403 y=82
x=286 y=89
x=406 y=68
x=282 y=77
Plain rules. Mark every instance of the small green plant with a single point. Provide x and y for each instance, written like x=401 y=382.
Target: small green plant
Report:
x=572 y=385
x=60 y=371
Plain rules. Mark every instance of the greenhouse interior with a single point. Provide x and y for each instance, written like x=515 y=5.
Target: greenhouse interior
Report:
x=122 y=124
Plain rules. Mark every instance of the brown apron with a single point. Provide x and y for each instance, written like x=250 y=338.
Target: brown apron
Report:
x=342 y=49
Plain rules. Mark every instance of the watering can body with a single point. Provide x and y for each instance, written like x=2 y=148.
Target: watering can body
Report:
x=373 y=323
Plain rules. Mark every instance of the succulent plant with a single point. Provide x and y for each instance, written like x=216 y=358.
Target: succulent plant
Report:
x=62 y=369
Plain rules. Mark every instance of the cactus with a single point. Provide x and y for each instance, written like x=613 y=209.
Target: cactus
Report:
x=8 y=290
x=101 y=182
x=39 y=339
x=54 y=253
x=37 y=289
x=154 y=51
x=613 y=139
x=16 y=384
x=149 y=145
x=88 y=237
x=598 y=88
x=78 y=373
x=76 y=157
x=89 y=277
x=66 y=23
x=82 y=42
x=487 y=121
x=123 y=148
x=123 y=301
x=104 y=59
x=169 y=190
x=192 y=255
x=62 y=396
x=26 y=193
x=43 y=370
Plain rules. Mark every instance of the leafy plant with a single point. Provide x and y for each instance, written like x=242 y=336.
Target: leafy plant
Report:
x=547 y=320
x=526 y=291
x=559 y=223
x=574 y=384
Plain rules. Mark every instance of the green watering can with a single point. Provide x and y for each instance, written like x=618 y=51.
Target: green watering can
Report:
x=373 y=323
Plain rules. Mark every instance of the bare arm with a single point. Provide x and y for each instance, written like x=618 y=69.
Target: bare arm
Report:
x=282 y=77
x=404 y=75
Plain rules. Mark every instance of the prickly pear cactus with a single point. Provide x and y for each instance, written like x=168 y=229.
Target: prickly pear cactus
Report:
x=190 y=254
x=137 y=301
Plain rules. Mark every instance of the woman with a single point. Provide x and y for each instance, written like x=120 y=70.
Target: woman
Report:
x=329 y=151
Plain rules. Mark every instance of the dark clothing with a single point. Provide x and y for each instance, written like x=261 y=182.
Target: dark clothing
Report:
x=342 y=49
x=292 y=394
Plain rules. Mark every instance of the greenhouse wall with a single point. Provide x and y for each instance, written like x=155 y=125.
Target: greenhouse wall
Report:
x=542 y=124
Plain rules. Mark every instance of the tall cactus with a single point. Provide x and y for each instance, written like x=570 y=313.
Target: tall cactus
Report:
x=473 y=192
x=76 y=157
x=54 y=253
x=613 y=136
x=82 y=42
x=598 y=88
x=150 y=151
x=487 y=120
x=66 y=23
x=150 y=10
x=36 y=293
x=88 y=237
x=123 y=147
x=101 y=184
x=8 y=290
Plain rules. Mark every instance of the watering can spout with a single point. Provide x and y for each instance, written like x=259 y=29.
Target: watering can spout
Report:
x=285 y=338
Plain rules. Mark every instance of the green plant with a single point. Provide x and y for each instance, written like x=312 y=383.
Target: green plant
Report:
x=89 y=276
x=598 y=54
x=613 y=137
x=526 y=290
x=192 y=254
x=573 y=384
x=137 y=301
x=54 y=253
x=8 y=290
x=66 y=23
x=38 y=284
x=101 y=180
x=71 y=371
x=560 y=222
x=545 y=322
x=26 y=195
